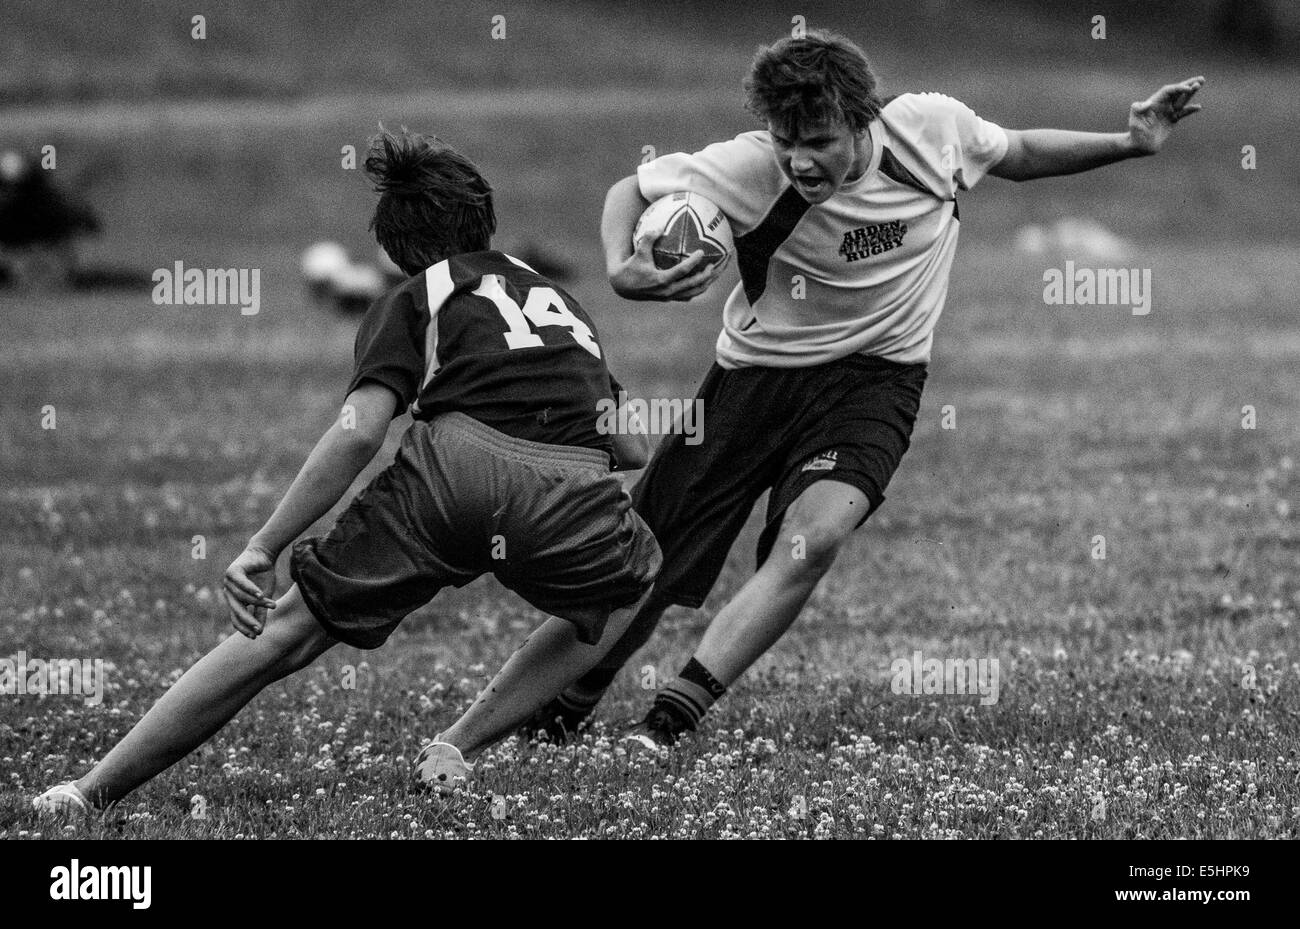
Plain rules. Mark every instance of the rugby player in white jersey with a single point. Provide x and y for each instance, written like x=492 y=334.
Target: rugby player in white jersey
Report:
x=845 y=211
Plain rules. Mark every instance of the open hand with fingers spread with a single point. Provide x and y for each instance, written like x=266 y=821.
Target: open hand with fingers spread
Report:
x=249 y=584
x=1151 y=121
x=638 y=278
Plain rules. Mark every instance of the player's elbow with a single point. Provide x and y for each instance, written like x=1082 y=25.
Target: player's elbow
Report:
x=359 y=441
x=632 y=452
x=363 y=422
x=624 y=204
x=639 y=458
x=1012 y=170
x=625 y=191
x=1015 y=163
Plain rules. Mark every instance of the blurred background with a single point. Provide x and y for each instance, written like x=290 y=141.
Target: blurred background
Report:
x=226 y=150
x=203 y=146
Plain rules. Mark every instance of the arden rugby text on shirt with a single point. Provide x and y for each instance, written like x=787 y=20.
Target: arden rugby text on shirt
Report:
x=872 y=240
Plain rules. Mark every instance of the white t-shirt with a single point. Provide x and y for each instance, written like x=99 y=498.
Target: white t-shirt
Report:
x=866 y=271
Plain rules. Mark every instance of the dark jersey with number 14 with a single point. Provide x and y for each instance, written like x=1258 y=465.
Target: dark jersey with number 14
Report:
x=485 y=335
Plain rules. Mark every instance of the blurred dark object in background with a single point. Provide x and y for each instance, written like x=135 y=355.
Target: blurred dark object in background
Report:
x=39 y=224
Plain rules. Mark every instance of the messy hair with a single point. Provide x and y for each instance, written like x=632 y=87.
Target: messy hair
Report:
x=818 y=79
x=433 y=202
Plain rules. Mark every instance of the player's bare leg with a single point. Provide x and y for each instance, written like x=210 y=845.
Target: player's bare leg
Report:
x=639 y=631
x=561 y=717
x=812 y=532
x=550 y=659
x=208 y=696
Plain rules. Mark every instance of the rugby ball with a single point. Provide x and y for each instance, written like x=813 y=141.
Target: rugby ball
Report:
x=682 y=223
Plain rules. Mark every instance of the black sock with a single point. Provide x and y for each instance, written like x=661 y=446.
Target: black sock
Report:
x=689 y=696
x=696 y=673
x=578 y=702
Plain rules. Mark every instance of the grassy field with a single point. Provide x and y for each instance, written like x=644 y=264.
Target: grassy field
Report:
x=1122 y=710
x=1121 y=677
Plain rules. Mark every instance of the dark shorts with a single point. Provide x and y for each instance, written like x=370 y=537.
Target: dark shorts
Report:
x=781 y=429
x=462 y=500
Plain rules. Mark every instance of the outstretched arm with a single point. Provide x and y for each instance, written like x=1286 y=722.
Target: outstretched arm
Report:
x=1034 y=153
x=345 y=448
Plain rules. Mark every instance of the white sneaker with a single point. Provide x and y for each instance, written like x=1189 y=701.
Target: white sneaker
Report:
x=63 y=800
x=441 y=765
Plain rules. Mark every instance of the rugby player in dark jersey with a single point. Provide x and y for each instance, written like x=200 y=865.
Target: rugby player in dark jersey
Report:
x=502 y=470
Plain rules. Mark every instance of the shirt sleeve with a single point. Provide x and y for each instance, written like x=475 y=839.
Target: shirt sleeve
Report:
x=739 y=175
x=389 y=348
x=980 y=143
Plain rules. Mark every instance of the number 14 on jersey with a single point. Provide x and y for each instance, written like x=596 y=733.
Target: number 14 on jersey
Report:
x=543 y=307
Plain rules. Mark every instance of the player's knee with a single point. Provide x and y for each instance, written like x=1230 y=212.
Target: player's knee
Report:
x=294 y=635
x=812 y=547
x=297 y=644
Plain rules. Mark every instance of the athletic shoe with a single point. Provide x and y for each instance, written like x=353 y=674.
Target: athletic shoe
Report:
x=441 y=765
x=63 y=800
x=659 y=728
x=556 y=722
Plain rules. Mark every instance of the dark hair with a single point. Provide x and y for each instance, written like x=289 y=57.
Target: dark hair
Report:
x=818 y=78
x=433 y=202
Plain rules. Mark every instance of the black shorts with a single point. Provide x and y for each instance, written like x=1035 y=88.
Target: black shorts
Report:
x=781 y=429
x=462 y=500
